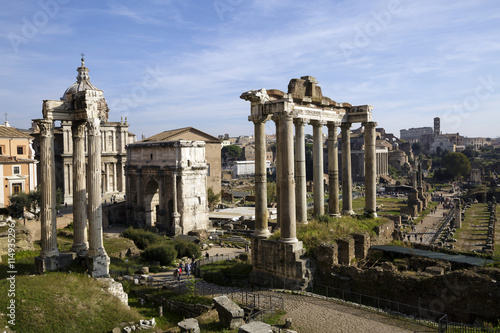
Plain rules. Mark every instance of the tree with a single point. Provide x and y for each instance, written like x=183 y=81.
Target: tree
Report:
x=212 y=198
x=232 y=151
x=457 y=164
x=25 y=201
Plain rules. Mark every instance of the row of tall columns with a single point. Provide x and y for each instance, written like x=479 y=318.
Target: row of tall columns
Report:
x=94 y=249
x=291 y=177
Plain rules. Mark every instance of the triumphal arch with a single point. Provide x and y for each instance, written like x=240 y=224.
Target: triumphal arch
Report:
x=303 y=104
x=86 y=109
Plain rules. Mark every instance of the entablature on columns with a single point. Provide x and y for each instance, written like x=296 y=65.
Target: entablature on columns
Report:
x=307 y=107
x=88 y=104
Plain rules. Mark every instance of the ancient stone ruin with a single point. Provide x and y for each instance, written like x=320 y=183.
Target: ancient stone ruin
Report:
x=303 y=104
x=85 y=108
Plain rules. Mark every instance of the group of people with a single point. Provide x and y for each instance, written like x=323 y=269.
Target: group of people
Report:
x=178 y=270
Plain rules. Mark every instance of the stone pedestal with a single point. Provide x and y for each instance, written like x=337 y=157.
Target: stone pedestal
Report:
x=98 y=266
x=62 y=260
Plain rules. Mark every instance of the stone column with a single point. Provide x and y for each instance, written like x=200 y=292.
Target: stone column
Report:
x=261 y=218
x=80 y=243
x=333 y=171
x=97 y=259
x=300 y=170
x=278 y=169
x=115 y=184
x=370 y=169
x=287 y=184
x=319 y=190
x=458 y=213
x=48 y=190
x=175 y=214
x=346 y=170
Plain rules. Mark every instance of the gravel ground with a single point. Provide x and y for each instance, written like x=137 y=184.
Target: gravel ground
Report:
x=311 y=314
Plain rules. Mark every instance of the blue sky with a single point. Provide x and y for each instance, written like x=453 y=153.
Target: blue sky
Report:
x=170 y=64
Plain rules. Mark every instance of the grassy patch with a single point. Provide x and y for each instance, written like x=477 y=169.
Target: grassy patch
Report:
x=114 y=245
x=60 y=302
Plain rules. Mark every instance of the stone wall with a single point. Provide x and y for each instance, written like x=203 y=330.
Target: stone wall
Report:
x=384 y=234
x=465 y=295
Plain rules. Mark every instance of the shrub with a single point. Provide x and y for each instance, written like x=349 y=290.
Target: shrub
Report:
x=142 y=238
x=187 y=249
x=163 y=253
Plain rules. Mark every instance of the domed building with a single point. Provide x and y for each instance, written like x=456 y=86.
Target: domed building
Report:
x=114 y=137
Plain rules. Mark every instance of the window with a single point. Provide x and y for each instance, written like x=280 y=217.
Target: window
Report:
x=16 y=169
x=20 y=150
x=16 y=188
x=208 y=170
x=1 y=150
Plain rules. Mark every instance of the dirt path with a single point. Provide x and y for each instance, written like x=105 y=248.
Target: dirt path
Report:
x=36 y=226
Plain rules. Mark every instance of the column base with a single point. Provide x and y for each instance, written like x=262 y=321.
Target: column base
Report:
x=53 y=263
x=334 y=215
x=263 y=233
x=80 y=249
x=348 y=212
x=289 y=240
x=98 y=266
x=373 y=214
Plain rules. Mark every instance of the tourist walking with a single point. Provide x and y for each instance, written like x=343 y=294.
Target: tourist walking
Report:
x=188 y=269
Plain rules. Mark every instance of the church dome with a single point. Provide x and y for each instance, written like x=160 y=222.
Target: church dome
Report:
x=82 y=82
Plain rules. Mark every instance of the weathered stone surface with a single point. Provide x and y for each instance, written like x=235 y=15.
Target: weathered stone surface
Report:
x=435 y=270
x=115 y=289
x=255 y=327
x=189 y=325
x=230 y=314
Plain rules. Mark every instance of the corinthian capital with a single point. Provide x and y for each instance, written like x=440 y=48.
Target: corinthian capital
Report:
x=46 y=127
x=94 y=126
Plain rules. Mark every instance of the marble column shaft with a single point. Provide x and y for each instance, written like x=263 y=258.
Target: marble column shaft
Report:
x=346 y=170
x=319 y=190
x=287 y=184
x=261 y=218
x=300 y=170
x=175 y=214
x=80 y=242
x=279 y=160
x=370 y=168
x=48 y=190
x=96 y=247
x=333 y=171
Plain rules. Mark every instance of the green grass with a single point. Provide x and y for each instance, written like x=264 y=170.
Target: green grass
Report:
x=61 y=302
x=114 y=245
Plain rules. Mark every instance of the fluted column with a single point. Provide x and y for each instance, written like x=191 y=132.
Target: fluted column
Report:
x=333 y=171
x=300 y=170
x=287 y=186
x=319 y=188
x=96 y=247
x=278 y=163
x=80 y=242
x=261 y=218
x=48 y=190
x=370 y=169
x=346 y=170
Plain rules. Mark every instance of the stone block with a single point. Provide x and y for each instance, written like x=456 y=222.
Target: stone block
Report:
x=43 y=265
x=189 y=325
x=361 y=245
x=98 y=265
x=255 y=327
x=230 y=314
x=346 y=251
